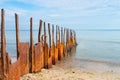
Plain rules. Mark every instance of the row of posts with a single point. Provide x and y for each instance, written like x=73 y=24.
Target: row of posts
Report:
x=33 y=57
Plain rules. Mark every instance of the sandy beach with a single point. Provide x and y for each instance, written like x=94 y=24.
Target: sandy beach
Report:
x=57 y=73
x=72 y=69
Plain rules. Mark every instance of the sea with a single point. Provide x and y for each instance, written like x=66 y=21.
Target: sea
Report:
x=102 y=45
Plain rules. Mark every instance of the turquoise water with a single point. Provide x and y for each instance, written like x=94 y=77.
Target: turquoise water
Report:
x=100 y=45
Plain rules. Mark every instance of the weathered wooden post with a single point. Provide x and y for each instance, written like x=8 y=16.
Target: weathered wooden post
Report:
x=40 y=29
x=17 y=33
x=59 y=34
x=56 y=48
x=52 y=34
x=68 y=35
x=53 y=46
x=56 y=36
x=49 y=35
x=62 y=43
x=45 y=49
x=67 y=40
x=3 y=47
x=75 y=39
x=31 y=53
x=62 y=35
x=59 y=57
x=50 y=49
x=70 y=41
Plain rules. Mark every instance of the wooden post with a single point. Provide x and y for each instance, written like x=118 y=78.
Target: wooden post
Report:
x=53 y=48
x=49 y=35
x=40 y=29
x=67 y=40
x=31 y=47
x=56 y=36
x=66 y=36
x=70 y=34
x=59 y=34
x=52 y=34
x=17 y=33
x=45 y=49
x=44 y=33
x=62 y=35
x=3 y=47
x=75 y=39
x=50 y=49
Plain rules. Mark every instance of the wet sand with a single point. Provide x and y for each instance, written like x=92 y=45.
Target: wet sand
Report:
x=74 y=69
x=71 y=68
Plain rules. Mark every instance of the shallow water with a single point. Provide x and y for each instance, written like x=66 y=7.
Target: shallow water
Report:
x=96 y=45
x=99 y=45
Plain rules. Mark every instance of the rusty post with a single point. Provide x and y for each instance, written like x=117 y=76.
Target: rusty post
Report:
x=40 y=29
x=3 y=46
x=62 y=35
x=66 y=36
x=75 y=39
x=31 y=48
x=70 y=35
x=64 y=48
x=59 y=45
x=56 y=36
x=59 y=34
x=53 y=46
x=52 y=34
x=45 y=48
x=44 y=33
x=17 y=33
x=49 y=35
x=67 y=40
x=50 y=49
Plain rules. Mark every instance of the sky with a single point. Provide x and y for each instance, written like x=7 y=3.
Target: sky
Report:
x=75 y=14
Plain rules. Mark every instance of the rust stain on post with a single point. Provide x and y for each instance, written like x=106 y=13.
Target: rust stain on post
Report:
x=23 y=50
x=38 y=50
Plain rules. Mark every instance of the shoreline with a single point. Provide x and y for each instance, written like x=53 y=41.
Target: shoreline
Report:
x=83 y=70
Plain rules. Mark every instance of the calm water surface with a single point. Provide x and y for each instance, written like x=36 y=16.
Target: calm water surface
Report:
x=92 y=45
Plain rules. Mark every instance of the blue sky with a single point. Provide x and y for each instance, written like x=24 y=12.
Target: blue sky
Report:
x=76 y=14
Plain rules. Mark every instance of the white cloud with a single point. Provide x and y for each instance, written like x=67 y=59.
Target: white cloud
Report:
x=64 y=10
x=65 y=4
